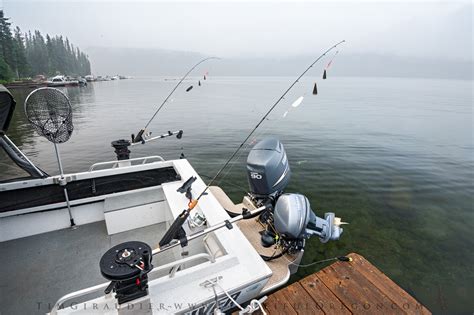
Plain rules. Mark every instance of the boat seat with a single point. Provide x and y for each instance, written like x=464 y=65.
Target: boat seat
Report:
x=133 y=210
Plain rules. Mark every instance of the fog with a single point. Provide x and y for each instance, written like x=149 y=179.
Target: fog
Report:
x=423 y=33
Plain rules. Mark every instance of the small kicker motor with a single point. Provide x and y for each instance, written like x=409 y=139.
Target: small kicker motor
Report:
x=268 y=172
x=127 y=266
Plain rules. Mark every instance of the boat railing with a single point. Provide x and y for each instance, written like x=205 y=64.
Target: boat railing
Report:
x=130 y=162
x=173 y=265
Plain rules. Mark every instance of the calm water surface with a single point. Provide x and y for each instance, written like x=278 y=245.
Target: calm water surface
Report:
x=394 y=157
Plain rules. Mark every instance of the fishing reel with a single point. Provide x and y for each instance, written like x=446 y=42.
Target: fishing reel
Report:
x=127 y=266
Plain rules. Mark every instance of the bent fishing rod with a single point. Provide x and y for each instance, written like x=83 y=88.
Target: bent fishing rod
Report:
x=139 y=136
x=176 y=227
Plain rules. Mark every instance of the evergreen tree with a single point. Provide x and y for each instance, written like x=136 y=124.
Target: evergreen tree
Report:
x=22 y=66
x=49 y=48
x=6 y=47
x=5 y=71
x=39 y=57
x=32 y=54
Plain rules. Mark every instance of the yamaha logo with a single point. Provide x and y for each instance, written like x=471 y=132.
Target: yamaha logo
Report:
x=254 y=175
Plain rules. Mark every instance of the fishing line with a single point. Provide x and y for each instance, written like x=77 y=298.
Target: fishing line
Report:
x=139 y=137
x=329 y=65
x=244 y=150
x=339 y=258
x=279 y=118
x=263 y=119
x=295 y=104
x=264 y=132
x=227 y=182
x=176 y=226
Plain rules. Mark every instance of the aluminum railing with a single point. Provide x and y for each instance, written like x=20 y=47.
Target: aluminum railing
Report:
x=173 y=265
x=135 y=161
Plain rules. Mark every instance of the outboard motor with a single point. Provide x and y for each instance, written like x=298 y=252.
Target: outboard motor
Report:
x=268 y=170
x=294 y=220
x=291 y=217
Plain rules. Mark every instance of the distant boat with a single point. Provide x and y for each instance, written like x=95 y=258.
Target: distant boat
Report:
x=82 y=81
x=89 y=78
x=61 y=80
x=116 y=77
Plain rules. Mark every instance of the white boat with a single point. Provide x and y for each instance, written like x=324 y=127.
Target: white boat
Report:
x=90 y=78
x=61 y=80
x=123 y=210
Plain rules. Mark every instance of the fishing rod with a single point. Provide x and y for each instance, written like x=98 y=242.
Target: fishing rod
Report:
x=175 y=228
x=139 y=137
x=183 y=241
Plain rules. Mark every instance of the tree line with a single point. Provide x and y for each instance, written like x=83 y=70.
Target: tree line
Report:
x=24 y=55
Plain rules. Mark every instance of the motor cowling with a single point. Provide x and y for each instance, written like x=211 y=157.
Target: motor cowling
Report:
x=268 y=169
x=294 y=220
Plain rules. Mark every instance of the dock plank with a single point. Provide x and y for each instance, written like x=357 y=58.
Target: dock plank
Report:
x=387 y=286
x=301 y=301
x=355 y=287
x=278 y=304
x=326 y=300
x=358 y=294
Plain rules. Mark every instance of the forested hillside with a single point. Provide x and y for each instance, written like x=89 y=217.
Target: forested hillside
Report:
x=28 y=54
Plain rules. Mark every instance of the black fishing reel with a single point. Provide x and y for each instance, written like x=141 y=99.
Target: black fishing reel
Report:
x=127 y=265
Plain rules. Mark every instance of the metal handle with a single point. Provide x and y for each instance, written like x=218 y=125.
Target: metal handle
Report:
x=103 y=286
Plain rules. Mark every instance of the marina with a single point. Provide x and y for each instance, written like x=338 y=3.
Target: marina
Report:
x=61 y=81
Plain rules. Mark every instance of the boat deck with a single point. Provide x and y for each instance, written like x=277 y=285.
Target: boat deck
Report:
x=355 y=287
x=39 y=269
x=252 y=228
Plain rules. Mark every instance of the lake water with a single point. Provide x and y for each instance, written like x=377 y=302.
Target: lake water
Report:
x=394 y=157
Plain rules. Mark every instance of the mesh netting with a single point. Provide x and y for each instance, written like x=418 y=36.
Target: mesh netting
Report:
x=49 y=111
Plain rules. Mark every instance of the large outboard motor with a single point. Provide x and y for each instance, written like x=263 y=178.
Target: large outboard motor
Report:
x=294 y=220
x=268 y=169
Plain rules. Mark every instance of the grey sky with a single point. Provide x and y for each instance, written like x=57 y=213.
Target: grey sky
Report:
x=257 y=29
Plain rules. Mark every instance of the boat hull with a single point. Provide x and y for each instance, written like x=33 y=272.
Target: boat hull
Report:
x=63 y=84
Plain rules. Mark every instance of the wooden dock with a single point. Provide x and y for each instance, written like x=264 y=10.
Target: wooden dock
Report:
x=25 y=85
x=355 y=287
